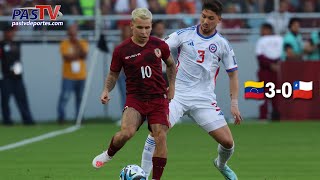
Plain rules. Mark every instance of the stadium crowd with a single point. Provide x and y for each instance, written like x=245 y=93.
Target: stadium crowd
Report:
x=112 y=7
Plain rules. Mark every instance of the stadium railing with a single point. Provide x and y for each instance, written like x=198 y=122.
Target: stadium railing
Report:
x=113 y=35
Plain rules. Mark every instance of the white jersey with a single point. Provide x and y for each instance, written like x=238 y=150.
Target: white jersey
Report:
x=198 y=62
x=270 y=46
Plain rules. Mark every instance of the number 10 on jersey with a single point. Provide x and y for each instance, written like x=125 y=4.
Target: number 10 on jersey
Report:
x=146 y=72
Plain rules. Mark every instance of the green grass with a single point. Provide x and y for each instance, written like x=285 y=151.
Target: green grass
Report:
x=274 y=151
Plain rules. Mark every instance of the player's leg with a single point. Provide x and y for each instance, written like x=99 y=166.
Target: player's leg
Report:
x=212 y=121
x=158 y=120
x=159 y=159
x=131 y=121
x=175 y=113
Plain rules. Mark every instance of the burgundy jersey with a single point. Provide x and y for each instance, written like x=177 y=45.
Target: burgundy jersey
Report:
x=142 y=67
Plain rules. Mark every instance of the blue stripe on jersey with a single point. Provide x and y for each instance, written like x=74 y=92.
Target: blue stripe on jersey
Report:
x=233 y=69
x=205 y=37
x=186 y=29
x=150 y=142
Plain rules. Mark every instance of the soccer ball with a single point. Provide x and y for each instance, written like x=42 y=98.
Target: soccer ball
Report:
x=132 y=172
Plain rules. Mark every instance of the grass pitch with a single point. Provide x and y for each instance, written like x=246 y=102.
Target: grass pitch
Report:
x=271 y=151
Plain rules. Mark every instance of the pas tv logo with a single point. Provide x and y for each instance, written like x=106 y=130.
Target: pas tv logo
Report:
x=36 y=13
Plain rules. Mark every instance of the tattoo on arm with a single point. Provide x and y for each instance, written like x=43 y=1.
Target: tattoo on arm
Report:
x=111 y=80
x=171 y=71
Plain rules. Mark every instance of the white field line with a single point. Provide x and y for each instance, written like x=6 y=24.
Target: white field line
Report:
x=39 y=138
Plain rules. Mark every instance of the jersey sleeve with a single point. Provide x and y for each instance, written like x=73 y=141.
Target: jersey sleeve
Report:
x=165 y=50
x=173 y=40
x=116 y=62
x=228 y=58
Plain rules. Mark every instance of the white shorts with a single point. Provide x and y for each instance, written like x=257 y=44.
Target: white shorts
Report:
x=205 y=113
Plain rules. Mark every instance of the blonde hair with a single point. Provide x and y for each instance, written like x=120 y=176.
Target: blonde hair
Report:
x=142 y=13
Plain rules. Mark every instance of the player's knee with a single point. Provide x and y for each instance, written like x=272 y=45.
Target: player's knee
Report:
x=228 y=144
x=127 y=134
x=160 y=136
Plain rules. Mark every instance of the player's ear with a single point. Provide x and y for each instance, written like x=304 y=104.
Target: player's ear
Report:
x=131 y=25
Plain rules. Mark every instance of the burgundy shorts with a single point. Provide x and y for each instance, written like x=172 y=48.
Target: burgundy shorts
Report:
x=156 y=111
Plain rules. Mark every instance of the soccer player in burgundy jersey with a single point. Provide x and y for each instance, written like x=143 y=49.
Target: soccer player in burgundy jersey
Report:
x=147 y=96
x=201 y=51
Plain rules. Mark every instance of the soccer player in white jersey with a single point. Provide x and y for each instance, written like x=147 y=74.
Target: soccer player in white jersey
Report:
x=201 y=48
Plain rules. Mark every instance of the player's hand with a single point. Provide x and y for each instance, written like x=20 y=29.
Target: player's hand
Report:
x=105 y=97
x=170 y=93
x=235 y=112
x=276 y=67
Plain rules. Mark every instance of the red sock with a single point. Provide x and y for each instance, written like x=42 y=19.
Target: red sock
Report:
x=112 y=150
x=158 y=167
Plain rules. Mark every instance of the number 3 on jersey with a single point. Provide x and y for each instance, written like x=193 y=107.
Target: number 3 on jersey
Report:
x=146 y=72
x=201 y=54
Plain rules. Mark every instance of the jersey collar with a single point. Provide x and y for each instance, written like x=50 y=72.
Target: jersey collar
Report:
x=205 y=37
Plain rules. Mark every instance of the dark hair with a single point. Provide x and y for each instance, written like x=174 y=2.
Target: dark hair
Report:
x=293 y=20
x=155 y=23
x=267 y=26
x=213 y=5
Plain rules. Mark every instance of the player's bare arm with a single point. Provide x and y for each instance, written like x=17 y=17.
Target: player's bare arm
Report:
x=110 y=82
x=234 y=93
x=171 y=74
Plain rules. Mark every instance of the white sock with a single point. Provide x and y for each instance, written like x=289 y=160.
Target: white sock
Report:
x=224 y=155
x=147 y=154
x=107 y=157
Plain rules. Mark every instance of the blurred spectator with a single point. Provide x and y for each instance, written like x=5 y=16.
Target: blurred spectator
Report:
x=308 y=6
x=155 y=7
x=293 y=43
x=126 y=6
x=279 y=20
x=106 y=9
x=2 y=13
x=12 y=82
x=88 y=7
x=233 y=8
x=181 y=6
x=251 y=6
x=312 y=46
x=73 y=52
x=268 y=51
x=70 y=7
x=159 y=31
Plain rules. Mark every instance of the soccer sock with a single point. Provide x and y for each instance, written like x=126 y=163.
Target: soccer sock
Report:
x=158 y=167
x=224 y=155
x=112 y=150
x=148 y=150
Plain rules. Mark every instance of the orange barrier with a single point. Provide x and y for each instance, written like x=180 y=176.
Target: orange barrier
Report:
x=300 y=109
